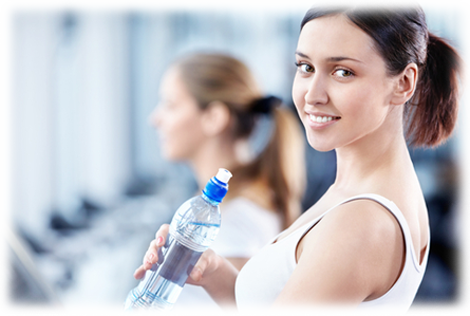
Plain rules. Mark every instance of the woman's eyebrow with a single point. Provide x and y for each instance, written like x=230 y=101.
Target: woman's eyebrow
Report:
x=301 y=54
x=329 y=59
x=341 y=58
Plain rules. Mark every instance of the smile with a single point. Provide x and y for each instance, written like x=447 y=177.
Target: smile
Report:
x=322 y=119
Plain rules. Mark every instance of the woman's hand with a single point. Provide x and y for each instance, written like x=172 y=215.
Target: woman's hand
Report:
x=152 y=255
x=204 y=268
x=213 y=272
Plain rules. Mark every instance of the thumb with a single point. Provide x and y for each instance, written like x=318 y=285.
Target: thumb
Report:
x=204 y=267
x=198 y=270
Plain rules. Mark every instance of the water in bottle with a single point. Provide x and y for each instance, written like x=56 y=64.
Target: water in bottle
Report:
x=193 y=228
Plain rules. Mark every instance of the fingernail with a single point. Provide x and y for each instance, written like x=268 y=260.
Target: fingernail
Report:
x=150 y=257
x=159 y=239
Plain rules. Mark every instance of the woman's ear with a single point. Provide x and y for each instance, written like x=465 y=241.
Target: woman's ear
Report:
x=215 y=118
x=406 y=85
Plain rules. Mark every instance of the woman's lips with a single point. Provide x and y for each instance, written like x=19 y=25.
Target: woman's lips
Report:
x=319 y=121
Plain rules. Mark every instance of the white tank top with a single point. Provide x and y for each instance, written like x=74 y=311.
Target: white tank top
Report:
x=263 y=277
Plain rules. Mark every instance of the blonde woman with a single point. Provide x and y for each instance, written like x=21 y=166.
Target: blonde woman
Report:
x=213 y=114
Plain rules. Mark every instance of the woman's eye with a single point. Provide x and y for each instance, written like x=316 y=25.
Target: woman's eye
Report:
x=343 y=73
x=303 y=67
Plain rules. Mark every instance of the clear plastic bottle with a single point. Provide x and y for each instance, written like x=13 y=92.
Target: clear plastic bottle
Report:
x=193 y=228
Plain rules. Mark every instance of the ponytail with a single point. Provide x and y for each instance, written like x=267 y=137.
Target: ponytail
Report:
x=280 y=165
x=283 y=163
x=432 y=113
x=276 y=163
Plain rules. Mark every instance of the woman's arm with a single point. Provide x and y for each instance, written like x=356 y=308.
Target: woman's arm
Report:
x=238 y=263
x=217 y=276
x=354 y=253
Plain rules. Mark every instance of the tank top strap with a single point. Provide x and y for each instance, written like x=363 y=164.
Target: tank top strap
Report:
x=389 y=205
x=378 y=198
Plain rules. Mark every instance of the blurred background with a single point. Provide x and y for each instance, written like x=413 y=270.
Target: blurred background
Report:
x=89 y=186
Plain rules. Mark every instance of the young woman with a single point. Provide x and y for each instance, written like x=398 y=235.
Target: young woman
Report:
x=365 y=79
x=213 y=114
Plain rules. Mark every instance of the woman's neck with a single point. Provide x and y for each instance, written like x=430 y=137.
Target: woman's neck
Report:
x=256 y=190
x=207 y=161
x=363 y=164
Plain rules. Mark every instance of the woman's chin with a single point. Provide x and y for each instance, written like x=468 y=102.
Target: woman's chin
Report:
x=320 y=147
x=173 y=156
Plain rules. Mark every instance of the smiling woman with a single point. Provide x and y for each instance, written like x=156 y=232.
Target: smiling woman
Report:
x=342 y=78
x=364 y=77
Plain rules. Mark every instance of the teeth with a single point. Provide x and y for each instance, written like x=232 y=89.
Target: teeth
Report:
x=320 y=119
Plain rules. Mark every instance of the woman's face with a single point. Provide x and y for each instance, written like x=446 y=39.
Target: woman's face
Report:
x=177 y=119
x=341 y=88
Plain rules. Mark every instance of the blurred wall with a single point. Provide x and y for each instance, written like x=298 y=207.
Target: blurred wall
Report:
x=79 y=78
x=71 y=127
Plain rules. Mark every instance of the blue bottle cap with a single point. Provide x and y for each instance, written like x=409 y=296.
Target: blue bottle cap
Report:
x=217 y=186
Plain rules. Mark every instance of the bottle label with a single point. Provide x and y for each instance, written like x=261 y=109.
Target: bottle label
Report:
x=178 y=263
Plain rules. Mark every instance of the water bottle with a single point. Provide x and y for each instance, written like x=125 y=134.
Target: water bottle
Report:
x=193 y=228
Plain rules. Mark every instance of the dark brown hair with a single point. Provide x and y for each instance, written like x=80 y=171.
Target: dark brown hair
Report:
x=280 y=166
x=401 y=37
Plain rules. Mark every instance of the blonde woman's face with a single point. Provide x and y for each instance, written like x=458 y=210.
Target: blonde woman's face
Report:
x=177 y=119
x=341 y=89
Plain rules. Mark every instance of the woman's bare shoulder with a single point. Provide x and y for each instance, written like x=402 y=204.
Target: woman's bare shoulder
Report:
x=352 y=254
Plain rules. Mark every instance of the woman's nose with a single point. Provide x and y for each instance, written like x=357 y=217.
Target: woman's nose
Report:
x=317 y=91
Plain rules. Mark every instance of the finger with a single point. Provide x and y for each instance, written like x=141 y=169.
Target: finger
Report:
x=151 y=256
x=139 y=273
x=161 y=235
